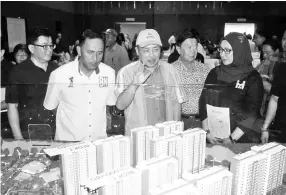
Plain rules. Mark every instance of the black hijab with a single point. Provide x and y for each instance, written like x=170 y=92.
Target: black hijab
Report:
x=242 y=59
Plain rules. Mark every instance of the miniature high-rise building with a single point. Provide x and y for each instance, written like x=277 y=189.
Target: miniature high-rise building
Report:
x=215 y=180
x=170 y=145
x=168 y=127
x=158 y=173
x=113 y=153
x=251 y=171
x=194 y=150
x=140 y=143
x=76 y=167
x=119 y=182
x=179 y=187
x=277 y=155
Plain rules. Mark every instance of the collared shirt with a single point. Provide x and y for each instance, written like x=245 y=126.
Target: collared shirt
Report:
x=27 y=87
x=193 y=84
x=81 y=101
x=155 y=97
x=116 y=57
x=136 y=112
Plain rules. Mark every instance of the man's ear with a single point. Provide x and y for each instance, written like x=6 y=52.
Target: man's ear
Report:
x=31 y=48
x=78 y=50
x=137 y=51
x=178 y=49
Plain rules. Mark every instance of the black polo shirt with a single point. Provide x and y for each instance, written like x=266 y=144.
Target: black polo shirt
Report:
x=27 y=86
x=6 y=68
x=279 y=89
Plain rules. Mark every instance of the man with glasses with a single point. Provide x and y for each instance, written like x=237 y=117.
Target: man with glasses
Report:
x=115 y=55
x=27 y=86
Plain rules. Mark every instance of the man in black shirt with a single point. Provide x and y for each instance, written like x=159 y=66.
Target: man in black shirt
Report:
x=27 y=86
x=276 y=107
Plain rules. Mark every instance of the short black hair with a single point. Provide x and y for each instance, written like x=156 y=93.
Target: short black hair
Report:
x=36 y=33
x=20 y=47
x=89 y=34
x=249 y=36
x=262 y=32
x=272 y=43
x=186 y=34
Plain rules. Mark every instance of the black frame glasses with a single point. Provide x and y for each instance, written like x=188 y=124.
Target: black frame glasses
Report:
x=226 y=51
x=45 y=47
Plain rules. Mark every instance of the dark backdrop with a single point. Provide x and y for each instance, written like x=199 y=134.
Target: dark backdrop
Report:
x=166 y=17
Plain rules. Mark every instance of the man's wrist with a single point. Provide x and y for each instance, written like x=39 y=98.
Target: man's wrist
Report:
x=133 y=88
x=18 y=137
x=264 y=128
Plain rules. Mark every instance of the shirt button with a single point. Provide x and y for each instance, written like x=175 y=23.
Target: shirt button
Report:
x=89 y=114
x=89 y=102
x=89 y=125
x=88 y=90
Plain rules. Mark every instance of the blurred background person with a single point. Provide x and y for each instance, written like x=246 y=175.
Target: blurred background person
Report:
x=267 y=68
x=20 y=53
x=276 y=111
x=115 y=55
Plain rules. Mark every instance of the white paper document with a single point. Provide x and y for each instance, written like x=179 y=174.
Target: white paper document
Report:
x=218 y=121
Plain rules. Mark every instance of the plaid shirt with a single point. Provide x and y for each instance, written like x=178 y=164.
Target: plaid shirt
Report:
x=136 y=112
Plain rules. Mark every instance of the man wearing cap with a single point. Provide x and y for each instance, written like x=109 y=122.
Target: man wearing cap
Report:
x=149 y=90
x=115 y=56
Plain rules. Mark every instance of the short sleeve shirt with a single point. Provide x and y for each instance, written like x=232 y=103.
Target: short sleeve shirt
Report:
x=193 y=83
x=27 y=87
x=81 y=101
x=136 y=112
x=116 y=57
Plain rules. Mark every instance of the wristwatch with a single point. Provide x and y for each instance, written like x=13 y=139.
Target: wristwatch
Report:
x=264 y=129
x=232 y=140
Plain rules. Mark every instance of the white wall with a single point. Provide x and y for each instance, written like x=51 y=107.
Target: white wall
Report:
x=132 y=29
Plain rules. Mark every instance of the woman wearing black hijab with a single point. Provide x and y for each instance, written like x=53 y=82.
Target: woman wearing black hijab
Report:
x=234 y=85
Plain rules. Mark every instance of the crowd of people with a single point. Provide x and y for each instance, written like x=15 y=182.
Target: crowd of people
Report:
x=75 y=91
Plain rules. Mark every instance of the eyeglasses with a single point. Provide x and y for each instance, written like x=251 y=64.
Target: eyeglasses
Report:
x=226 y=51
x=46 y=47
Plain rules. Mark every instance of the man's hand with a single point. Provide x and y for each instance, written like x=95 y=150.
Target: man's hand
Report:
x=141 y=78
x=264 y=137
x=211 y=139
x=226 y=141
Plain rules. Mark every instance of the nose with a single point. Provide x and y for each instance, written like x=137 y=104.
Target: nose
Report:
x=222 y=54
x=94 y=57
x=151 y=53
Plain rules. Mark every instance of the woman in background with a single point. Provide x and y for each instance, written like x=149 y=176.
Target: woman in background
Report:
x=270 y=51
x=20 y=53
x=236 y=86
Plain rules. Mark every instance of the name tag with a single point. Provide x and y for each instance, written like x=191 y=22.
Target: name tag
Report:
x=239 y=85
x=103 y=81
